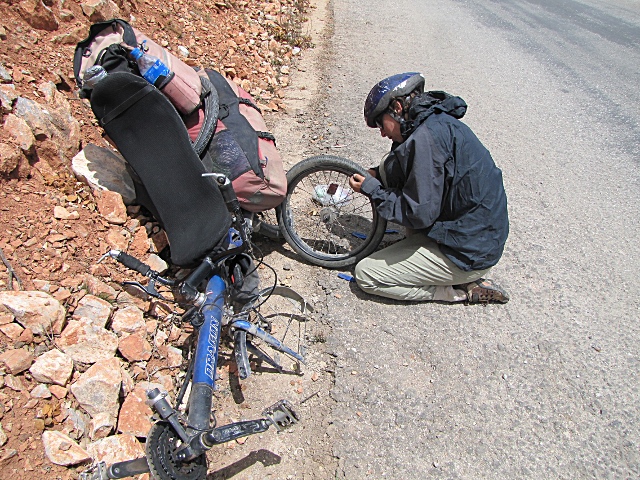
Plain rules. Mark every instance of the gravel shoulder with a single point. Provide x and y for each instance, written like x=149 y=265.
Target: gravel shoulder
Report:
x=304 y=451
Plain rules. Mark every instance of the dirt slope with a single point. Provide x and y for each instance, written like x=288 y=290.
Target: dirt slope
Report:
x=256 y=43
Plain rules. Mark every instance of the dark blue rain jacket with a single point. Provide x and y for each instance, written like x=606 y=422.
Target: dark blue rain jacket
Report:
x=443 y=182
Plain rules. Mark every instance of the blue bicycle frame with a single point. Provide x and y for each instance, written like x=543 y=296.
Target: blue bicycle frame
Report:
x=206 y=356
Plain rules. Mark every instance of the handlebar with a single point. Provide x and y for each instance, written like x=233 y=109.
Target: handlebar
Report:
x=134 y=264
x=187 y=290
x=130 y=262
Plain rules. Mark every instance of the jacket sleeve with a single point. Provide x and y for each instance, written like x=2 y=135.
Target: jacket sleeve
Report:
x=418 y=202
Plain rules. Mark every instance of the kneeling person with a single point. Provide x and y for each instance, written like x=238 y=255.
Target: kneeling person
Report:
x=443 y=186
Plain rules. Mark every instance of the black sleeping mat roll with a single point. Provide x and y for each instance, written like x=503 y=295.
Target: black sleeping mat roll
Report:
x=153 y=139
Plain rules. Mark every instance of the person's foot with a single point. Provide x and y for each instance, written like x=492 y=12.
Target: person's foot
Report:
x=485 y=291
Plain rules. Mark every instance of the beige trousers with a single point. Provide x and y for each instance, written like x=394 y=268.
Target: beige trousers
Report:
x=413 y=269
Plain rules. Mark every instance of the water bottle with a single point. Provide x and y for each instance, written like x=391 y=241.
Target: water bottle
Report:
x=151 y=68
x=92 y=76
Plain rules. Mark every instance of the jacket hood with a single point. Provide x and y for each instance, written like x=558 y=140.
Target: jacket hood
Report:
x=424 y=105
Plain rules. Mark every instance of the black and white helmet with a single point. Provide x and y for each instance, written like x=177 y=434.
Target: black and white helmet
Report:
x=384 y=91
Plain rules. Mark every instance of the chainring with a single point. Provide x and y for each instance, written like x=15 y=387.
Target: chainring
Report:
x=161 y=448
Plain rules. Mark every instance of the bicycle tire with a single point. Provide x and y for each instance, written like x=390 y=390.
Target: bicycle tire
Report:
x=323 y=229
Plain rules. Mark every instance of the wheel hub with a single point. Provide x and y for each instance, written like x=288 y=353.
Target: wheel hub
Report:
x=328 y=215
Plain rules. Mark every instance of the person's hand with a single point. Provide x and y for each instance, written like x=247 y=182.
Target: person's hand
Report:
x=355 y=182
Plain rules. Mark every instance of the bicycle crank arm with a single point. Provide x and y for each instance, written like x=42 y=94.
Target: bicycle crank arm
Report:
x=235 y=430
x=281 y=415
x=203 y=441
x=125 y=469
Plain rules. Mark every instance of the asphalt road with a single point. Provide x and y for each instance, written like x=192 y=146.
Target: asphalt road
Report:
x=547 y=385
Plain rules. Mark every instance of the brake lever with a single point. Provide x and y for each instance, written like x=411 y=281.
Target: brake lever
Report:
x=150 y=289
x=142 y=268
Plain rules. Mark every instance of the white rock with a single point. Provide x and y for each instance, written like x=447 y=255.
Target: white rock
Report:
x=76 y=422
x=14 y=383
x=62 y=213
x=52 y=367
x=116 y=448
x=100 y=289
x=62 y=450
x=94 y=308
x=104 y=169
x=41 y=391
x=156 y=263
x=36 y=310
x=128 y=320
x=87 y=343
x=98 y=389
x=127 y=383
x=174 y=356
x=101 y=425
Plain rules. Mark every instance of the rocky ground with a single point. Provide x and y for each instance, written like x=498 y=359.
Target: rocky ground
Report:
x=77 y=351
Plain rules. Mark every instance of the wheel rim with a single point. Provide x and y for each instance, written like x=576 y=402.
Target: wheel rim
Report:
x=326 y=219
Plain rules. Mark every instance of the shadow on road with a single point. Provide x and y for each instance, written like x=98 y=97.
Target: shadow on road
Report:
x=265 y=457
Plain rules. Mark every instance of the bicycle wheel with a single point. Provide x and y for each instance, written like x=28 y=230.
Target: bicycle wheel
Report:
x=323 y=219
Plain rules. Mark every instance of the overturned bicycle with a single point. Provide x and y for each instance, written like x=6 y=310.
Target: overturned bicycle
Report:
x=176 y=131
x=177 y=443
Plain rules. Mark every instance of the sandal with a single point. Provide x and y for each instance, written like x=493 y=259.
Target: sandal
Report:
x=485 y=291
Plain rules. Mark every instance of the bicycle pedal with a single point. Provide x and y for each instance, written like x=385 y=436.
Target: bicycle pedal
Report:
x=97 y=471
x=281 y=414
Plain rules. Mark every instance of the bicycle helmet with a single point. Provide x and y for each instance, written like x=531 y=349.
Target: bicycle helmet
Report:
x=386 y=90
